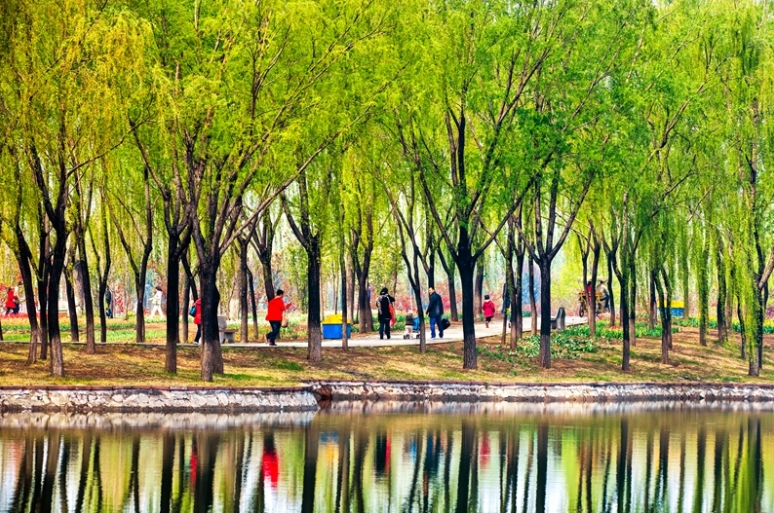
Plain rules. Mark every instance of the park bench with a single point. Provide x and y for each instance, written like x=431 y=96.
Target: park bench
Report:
x=557 y=323
x=226 y=334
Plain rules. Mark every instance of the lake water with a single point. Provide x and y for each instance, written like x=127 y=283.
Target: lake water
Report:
x=370 y=457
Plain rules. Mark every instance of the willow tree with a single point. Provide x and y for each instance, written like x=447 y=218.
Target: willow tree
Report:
x=569 y=128
x=747 y=79
x=64 y=58
x=158 y=159
x=241 y=81
x=362 y=239
x=472 y=66
x=308 y=224
x=22 y=228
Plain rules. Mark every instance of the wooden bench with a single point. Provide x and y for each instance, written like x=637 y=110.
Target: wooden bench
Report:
x=557 y=323
x=226 y=334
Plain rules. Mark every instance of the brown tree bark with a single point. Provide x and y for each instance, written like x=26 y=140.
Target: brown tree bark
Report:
x=449 y=269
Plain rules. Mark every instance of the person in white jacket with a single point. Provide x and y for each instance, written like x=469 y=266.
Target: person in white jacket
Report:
x=156 y=302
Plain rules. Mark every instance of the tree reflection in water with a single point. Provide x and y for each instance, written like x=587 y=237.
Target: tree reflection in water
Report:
x=458 y=458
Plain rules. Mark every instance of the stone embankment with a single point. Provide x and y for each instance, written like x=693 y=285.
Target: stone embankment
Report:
x=306 y=398
x=145 y=399
x=154 y=421
x=533 y=392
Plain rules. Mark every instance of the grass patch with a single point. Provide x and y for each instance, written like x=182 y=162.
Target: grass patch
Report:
x=287 y=365
x=575 y=358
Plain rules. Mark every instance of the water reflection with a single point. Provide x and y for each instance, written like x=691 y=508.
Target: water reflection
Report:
x=363 y=458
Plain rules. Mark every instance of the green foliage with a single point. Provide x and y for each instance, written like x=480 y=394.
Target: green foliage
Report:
x=693 y=322
x=564 y=345
x=604 y=331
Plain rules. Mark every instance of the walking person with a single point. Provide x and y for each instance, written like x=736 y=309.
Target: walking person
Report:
x=488 y=308
x=11 y=302
x=274 y=314
x=108 y=302
x=198 y=319
x=385 y=312
x=435 y=312
x=605 y=295
x=156 y=302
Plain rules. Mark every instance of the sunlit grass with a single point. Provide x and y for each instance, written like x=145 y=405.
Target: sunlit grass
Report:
x=131 y=364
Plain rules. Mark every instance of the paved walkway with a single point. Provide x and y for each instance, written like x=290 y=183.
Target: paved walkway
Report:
x=454 y=333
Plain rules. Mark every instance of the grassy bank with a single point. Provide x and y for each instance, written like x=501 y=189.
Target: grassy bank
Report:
x=576 y=358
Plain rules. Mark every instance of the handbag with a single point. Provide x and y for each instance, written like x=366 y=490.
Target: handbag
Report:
x=192 y=311
x=284 y=320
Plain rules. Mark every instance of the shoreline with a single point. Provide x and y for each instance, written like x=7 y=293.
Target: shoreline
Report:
x=322 y=393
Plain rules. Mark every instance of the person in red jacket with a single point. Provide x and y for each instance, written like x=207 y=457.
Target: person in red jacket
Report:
x=198 y=320
x=489 y=309
x=11 y=302
x=276 y=308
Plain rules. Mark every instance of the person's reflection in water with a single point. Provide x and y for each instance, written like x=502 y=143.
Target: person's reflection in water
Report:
x=193 y=463
x=270 y=462
x=485 y=450
x=382 y=454
x=432 y=461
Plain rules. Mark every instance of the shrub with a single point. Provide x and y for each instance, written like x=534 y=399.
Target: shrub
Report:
x=564 y=345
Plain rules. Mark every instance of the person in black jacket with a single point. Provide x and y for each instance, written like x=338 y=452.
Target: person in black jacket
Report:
x=384 y=312
x=435 y=312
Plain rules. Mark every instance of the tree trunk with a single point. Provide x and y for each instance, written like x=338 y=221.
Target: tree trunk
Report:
x=243 y=306
x=545 y=313
x=703 y=286
x=57 y=265
x=415 y=282
x=88 y=303
x=764 y=301
x=365 y=315
x=314 y=342
x=623 y=280
x=43 y=309
x=431 y=266
x=23 y=258
x=509 y=285
x=173 y=304
x=71 y=308
x=450 y=276
x=663 y=302
x=722 y=293
x=652 y=302
x=82 y=266
x=632 y=300
x=268 y=280
x=517 y=326
x=212 y=356
x=343 y=271
x=351 y=292
x=595 y=249
x=102 y=278
x=532 y=302
x=186 y=308
x=754 y=355
x=139 y=311
x=610 y=293
x=469 y=357
x=479 y=289
x=253 y=305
